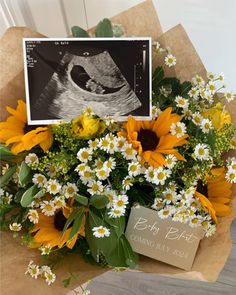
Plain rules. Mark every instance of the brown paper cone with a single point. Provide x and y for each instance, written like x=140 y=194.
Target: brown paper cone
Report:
x=140 y=20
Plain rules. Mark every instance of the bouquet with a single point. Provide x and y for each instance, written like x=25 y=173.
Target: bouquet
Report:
x=69 y=187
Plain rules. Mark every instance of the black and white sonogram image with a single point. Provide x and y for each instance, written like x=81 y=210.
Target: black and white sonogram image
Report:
x=65 y=76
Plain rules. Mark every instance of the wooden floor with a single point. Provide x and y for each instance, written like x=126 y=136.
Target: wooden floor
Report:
x=128 y=283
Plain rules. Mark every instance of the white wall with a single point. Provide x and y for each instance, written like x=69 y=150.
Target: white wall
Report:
x=211 y=24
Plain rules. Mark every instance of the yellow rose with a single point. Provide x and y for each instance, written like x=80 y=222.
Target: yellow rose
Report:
x=86 y=126
x=218 y=115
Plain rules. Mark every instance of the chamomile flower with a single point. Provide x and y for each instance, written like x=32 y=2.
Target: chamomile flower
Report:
x=121 y=141
x=170 y=196
x=221 y=77
x=178 y=129
x=116 y=212
x=104 y=143
x=209 y=98
x=187 y=114
x=211 y=230
x=229 y=96
x=171 y=160
x=158 y=204
x=211 y=87
x=103 y=173
x=59 y=202
x=45 y=250
x=197 y=118
x=39 y=179
x=95 y=188
x=134 y=169
x=206 y=125
x=150 y=174
x=231 y=164
x=210 y=76
x=31 y=159
x=198 y=80
x=127 y=183
x=165 y=212
x=128 y=152
x=170 y=60
x=87 y=175
x=98 y=163
x=52 y=170
x=15 y=227
x=69 y=190
x=85 y=155
x=161 y=175
x=53 y=186
x=112 y=147
x=48 y=208
x=231 y=176
x=33 y=216
x=155 y=112
x=33 y=270
x=120 y=201
x=111 y=195
x=194 y=92
x=93 y=144
x=201 y=152
x=110 y=163
x=35 y=203
x=101 y=232
x=109 y=121
x=6 y=198
x=50 y=277
x=181 y=102
x=195 y=220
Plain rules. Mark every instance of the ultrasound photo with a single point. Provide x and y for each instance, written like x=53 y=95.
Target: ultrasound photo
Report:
x=66 y=76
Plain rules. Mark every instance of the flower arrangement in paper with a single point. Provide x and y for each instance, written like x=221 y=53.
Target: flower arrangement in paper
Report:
x=73 y=184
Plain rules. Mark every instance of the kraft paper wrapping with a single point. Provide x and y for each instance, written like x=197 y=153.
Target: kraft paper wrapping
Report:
x=212 y=254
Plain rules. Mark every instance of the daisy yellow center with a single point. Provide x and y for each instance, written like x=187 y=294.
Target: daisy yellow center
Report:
x=101 y=231
x=110 y=198
x=205 y=223
x=53 y=187
x=33 y=215
x=105 y=143
x=170 y=60
x=99 y=164
x=194 y=220
x=70 y=190
x=58 y=203
x=120 y=203
x=148 y=139
x=197 y=119
x=85 y=154
x=178 y=129
x=133 y=168
x=207 y=125
x=232 y=176
x=127 y=182
x=48 y=207
x=201 y=152
x=40 y=179
x=166 y=212
x=109 y=164
x=129 y=151
x=161 y=175
x=87 y=174
x=102 y=172
x=234 y=166
x=95 y=187
x=181 y=101
x=169 y=196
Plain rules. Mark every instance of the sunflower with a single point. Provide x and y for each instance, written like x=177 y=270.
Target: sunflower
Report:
x=49 y=230
x=216 y=195
x=13 y=131
x=152 y=139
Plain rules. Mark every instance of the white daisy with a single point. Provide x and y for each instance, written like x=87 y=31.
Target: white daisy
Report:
x=231 y=176
x=33 y=216
x=178 y=129
x=69 y=190
x=134 y=169
x=121 y=141
x=93 y=144
x=150 y=174
x=109 y=121
x=171 y=160
x=103 y=173
x=52 y=170
x=39 y=179
x=15 y=226
x=120 y=202
x=158 y=204
x=229 y=96
x=59 y=202
x=110 y=163
x=206 y=125
x=181 y=102
x=165 y=212
x=128 y=152
x=211 y=230
x=210 y=76
x=211 y=87
x=6 y=198
x=85 y=155
x=127 y=183
x=87 y=175
x=197 y=118
x=45 y=250
x=104 y=144
x=161 y=175
x=198 y=80
x=187 y=114
x=98 y=163
x=48 y=208
x=95 y=187
x=112 y=148
x=232 y=164
x=170 y=60
x=31 y=159
x=194 y=92
x=209 y=98
x=50 y=277
x=155 y=112
x=201 y=152
x=101 y=232
x=170 y=196
x=221 y=77
x=53 y=186
x=195 y=220
x=116 y=212
x=80 y=168
x=33 y=270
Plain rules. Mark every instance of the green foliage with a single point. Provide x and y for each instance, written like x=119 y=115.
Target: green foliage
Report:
x=6 y=154
x=81 y=199
x=99 y=201
x=78 y=32
x=104 y=28
x=4 y=179
x=29 y=195
x=77 y=222
x=25 y=175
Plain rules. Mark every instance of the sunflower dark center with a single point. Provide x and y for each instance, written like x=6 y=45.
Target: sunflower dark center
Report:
x=59 y=221
x=148 y=138
x=202 y=188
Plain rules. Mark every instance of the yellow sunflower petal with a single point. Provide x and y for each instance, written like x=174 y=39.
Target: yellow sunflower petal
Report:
x=221 y=209
x=19 y=112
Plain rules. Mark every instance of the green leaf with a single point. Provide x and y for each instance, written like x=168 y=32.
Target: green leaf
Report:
x=19 y=194
x=99 y=201
x=29 y=195
x=78 y=220
x=70 y=219
x=157 y=76
x=81 y=199
x=66 y=282
x=79 y=32
x=185 y=88
x=130 y=255
x=40 y=194
x=25 y=175
x=5 y=154
x=174 y=83
x=4 y=179
x=104 y=28
x=117 y=223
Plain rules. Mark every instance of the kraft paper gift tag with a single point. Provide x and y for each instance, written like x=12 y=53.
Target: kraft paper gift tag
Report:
x=211 y=256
